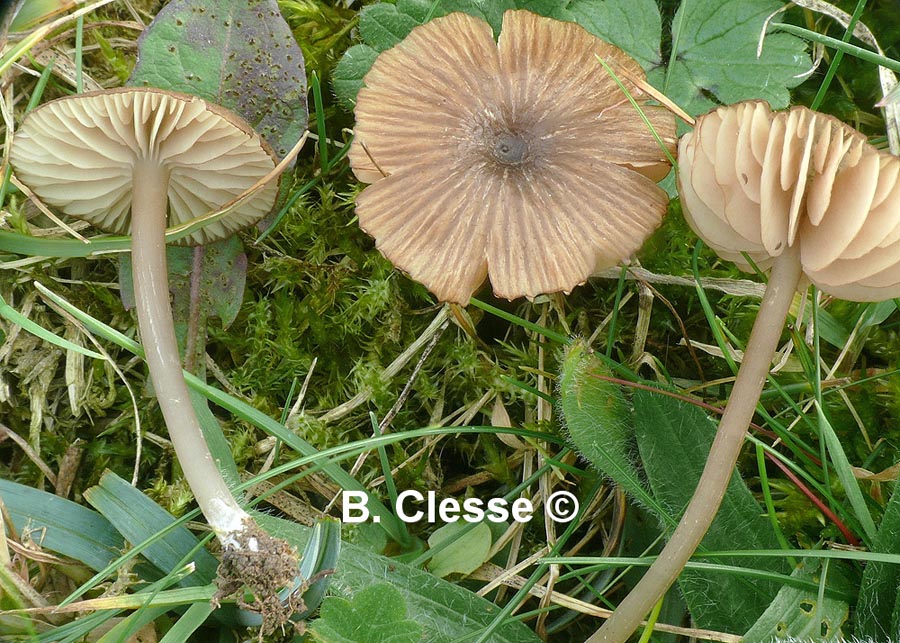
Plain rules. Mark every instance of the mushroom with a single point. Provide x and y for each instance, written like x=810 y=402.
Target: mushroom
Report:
x=521 y=160
x=806 y=195
x=120 y=159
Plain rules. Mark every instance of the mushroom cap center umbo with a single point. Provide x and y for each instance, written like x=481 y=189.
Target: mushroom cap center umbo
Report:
x=510 y=149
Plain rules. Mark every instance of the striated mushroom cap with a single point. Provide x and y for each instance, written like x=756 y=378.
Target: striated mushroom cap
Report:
x=77 y=154
x=756 y=181
x=521 y=160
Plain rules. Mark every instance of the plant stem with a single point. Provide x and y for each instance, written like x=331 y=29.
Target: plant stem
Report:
x=154 y=312
x=723 y=454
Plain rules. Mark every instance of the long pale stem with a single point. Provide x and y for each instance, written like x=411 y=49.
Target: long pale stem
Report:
x=722 y=455
x=151 y=291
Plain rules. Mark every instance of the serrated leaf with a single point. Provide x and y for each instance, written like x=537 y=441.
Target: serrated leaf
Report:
x=240 y=54
x=797 y=615
x=376 y=614
x=715 y=44
x=347 y=78
x=674 y=439
x=465 y=552
x=634 y=26
x=383 y=25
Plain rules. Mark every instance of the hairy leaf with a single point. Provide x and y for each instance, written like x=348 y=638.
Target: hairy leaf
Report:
x=383 y=25
x=598 y=422
x=674 y=439
x=878 y=611
x=347 y=78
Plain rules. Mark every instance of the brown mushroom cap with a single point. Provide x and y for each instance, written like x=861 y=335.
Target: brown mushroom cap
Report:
x=77 y=154
x=519 y=159
x=756 y=181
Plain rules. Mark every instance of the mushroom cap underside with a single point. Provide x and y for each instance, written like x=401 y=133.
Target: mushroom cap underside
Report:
x=756 y=181
x=77 y=154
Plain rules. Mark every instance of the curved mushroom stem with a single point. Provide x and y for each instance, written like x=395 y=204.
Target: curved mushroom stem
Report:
x=722 y=458
x=151 y=292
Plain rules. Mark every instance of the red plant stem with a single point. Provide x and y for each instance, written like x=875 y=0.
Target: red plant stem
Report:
x=801 y=486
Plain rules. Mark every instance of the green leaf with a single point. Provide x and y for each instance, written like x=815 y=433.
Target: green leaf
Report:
x=845 y=474
x=205 y=281
x=318 y=561
x=878 y=610
x=447 y=612
x=549 y=8
x=376 y=614
x=714 y=44
x=598 y=422
x=62 y=526
x=222 y=274
x=138 y=518
x=464 y=554
x=240 y=54
x=714 y=56
x=634 y=26
x=383 y=25
x=674 y=439
x=34 y=12
x=15 y=317
x=189 y=623
x=800 y=615
x=387 y=520
x=491 y=11
x=347 y=78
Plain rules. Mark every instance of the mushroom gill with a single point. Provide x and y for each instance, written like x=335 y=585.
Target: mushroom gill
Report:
x=755 y=181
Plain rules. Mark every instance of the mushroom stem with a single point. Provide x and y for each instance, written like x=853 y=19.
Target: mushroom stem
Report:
x=723 y=454
x=151 y=291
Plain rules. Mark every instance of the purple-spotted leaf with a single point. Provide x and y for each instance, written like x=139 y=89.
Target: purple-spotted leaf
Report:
x=240 y=54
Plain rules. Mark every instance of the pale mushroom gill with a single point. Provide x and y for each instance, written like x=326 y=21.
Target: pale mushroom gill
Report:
x=755 y=181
